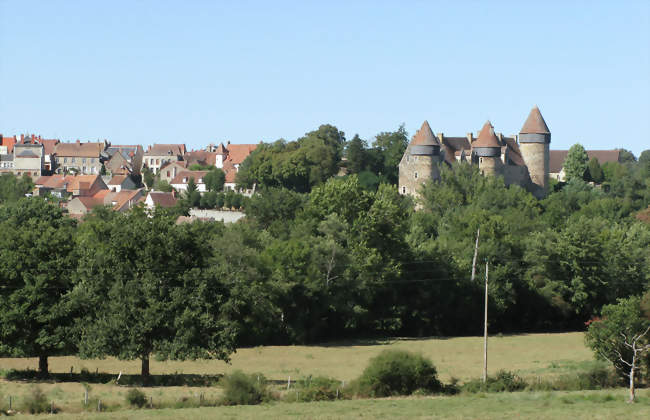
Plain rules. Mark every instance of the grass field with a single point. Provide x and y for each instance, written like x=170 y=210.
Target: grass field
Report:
x=460 y=357
x=531 y=355
x=533 y=405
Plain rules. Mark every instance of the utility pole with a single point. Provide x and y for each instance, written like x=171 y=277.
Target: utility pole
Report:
x=485 y=325
x=478 y=232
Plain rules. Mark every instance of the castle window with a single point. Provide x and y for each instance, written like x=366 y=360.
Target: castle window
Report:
x=403 y=190
x=480 y=160
x=416 y=175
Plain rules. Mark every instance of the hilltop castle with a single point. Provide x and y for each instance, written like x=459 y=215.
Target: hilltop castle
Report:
x=522 y=160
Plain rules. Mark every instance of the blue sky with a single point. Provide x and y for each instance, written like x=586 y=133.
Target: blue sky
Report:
x=208 y=71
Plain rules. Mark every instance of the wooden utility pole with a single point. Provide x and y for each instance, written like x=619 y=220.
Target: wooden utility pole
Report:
x=485 y=325
x=478 y=232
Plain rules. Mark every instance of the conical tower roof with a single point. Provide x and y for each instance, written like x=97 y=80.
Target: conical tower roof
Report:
x=535 y=123
x=487 y=138
x=424 y=136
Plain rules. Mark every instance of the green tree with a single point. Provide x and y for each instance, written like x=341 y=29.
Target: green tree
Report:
x=392 y=146
x=621 y=337
x=36 y=260
x=13 y=188
x=148 y=177
x=144 y=287
x=214 y=180
x=625 y=156
x=274 y=205
x=192 y=195
x=575 y=164
x=163 y=186
x=356 y=155
x=595 y=171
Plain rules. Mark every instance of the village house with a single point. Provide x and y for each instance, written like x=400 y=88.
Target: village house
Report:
x=161 y=199
x=556 y=163
x=159 y=154
x=124 y=159
x=118 y=201
x=121 y=182
x=183 y=178
x=74 y=185
x=169 y=170
x=81 y=158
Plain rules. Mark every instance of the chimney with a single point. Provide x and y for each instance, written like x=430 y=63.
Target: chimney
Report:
x=78 y=142
x=22 y=138
x=440 y=137
x=228 y=142
x=470 y=137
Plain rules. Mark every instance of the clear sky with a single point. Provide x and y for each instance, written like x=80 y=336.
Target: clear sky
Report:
x=208 y=71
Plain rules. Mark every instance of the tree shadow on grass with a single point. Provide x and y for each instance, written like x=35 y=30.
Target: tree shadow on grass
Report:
x=171 y=379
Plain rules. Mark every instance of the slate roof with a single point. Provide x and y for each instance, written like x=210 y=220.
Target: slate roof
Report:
x=535 y=123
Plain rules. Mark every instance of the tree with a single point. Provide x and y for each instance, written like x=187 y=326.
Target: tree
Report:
x=625 y=156
x=144 y=287
x=147 y=177
x=214 y=179
x=102 y=170
x=595 y=171
x=192 y=195
x=356 y=154
x=12 y=188
x=575 y=164
x=392 y=146
x=163 y=186
x=36 y=260
x=621 y=337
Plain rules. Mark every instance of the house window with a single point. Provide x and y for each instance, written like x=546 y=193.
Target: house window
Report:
x=72 y=160
x=167 y=174
x=65 y=160
x=408 y=158
x=416 y=175
x=83 y=160
x=92 y=160
x=157 y=161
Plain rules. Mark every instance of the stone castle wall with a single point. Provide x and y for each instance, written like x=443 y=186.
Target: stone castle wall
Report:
x=426 y=168
x=536 y=156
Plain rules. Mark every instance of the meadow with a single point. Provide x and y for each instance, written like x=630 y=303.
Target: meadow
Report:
x=530 y=355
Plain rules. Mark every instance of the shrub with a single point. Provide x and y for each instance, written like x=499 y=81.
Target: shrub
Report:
x=504 y=381
x=397 y=372
x=36 y=402
x=136 y=398
x=316 y=389
x=242 y=389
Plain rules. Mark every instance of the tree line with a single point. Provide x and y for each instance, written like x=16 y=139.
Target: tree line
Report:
x=319 y=258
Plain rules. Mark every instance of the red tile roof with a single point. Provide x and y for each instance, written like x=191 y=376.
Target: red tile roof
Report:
x=557 y=157
x=535 y=123
x=49 y=145
x=237 y=153
x=163 y=199
x=79 y=149
x=178 y=179
x=9 y=142
x=487 y=138
x=117 y=180
x=424 y=136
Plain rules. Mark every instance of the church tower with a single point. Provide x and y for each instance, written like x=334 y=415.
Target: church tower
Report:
x=420 y=161
x=488 y=151
x=534 y=141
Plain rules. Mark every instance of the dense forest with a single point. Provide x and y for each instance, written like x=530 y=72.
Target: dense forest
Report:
x=322 y=256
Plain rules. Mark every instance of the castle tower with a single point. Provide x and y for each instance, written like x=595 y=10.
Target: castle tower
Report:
x=534 y=140
x=420 y=161
x=488 y=151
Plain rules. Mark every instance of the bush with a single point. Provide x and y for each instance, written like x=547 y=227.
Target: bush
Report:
x=504 y=381
x=316 y=389
x=36 y=402
x=596 y=378
x=242 y=389
x=397 y=372
x=136 y=398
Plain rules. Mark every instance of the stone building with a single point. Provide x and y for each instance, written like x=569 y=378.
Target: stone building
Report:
x=80 y=158
x=522 y=160
x=159 y=154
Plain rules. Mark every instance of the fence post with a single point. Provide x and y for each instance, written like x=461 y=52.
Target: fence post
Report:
x=10 y=403
x=289 y=382
x=151 y=402
x=86 y=396
x=99 y=405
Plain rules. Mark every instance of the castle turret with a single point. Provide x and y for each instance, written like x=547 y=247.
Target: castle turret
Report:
x=488 y=151
x=534 y=140
x=420 y=161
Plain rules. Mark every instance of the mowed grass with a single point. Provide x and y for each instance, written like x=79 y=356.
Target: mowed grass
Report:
x=460 y=357
x=530 y=405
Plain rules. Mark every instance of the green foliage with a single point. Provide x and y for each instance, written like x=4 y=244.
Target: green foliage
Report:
x=148 y=177
x=503 y=381
x=214 y=179
x=611 y=336
x=355 y=151
x=575 y=164
x=398 y=372
x=595 y=171
x=136 y=398
x=162 y=185
x=199 y=167
x=274 y=205
x=35 y=402
x=391 y=146
x=316 y=389
x=37 y=256
x=192 y=196
x=242 y=389
x=12 y=188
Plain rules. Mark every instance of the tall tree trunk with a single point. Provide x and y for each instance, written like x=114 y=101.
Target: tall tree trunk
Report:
x=145 y=368
x=42 y=365
x=632 y=381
